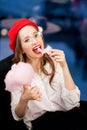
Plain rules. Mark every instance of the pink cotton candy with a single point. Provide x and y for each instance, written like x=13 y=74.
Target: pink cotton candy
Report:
x=46 y=50
x=21 y=73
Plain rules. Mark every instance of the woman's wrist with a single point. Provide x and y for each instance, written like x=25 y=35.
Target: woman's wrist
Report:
x=23 y=100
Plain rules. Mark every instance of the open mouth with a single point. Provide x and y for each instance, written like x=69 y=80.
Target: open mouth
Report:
x=37 y=50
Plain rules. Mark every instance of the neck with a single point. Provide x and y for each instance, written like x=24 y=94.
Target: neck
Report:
x=36 y=65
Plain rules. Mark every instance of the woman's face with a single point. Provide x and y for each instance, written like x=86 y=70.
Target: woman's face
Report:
x=31 y=40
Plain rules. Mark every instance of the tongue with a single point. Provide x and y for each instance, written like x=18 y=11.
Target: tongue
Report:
x=37 y=51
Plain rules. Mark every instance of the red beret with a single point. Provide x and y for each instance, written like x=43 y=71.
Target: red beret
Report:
x=15 y=29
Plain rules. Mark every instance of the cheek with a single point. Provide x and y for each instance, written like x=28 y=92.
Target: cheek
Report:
x=42 y=43
x=26 y=48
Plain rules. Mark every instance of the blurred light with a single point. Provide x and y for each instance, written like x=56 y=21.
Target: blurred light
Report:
x=4 y=32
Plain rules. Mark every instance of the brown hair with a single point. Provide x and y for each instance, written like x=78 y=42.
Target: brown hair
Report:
x=47 y=59
x=19 y=56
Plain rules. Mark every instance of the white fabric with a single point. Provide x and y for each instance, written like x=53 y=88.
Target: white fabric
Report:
x=54 y=97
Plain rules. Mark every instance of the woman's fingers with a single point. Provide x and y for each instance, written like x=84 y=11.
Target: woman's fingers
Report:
x=36 y=93
x=58 y=56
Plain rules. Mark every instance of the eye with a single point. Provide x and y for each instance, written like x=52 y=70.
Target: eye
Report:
x=38 y=34
x=27 y=40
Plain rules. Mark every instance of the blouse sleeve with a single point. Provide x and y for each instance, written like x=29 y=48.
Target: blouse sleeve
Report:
x=15 y=97
x=69 y=98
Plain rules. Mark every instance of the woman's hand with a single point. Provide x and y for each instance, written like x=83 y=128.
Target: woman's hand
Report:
x=27 y=94
x=58 y=56
x=30 y=93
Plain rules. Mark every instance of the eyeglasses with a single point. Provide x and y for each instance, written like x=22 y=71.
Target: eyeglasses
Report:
x=31 y=40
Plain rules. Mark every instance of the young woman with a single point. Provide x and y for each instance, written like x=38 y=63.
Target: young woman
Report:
x=39 y=80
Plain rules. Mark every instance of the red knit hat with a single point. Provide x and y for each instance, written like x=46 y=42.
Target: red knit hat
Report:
x=15 y=29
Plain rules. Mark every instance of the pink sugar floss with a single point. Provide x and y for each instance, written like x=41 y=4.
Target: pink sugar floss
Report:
x=20 y=74
x=46 y=50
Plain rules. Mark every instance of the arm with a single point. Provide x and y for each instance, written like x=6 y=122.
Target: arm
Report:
x=70 y=94
x=28 y=94
x=69 y=83
x=60 y=58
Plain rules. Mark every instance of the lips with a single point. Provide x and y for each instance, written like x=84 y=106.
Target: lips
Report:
x=36 y=49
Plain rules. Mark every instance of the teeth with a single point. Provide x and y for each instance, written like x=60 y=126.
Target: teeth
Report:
x=40 y=50
x=37 y=47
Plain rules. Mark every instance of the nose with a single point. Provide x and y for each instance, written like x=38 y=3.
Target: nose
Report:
x=34 y=41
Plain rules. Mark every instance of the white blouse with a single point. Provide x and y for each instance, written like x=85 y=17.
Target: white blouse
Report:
x=55 y=97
